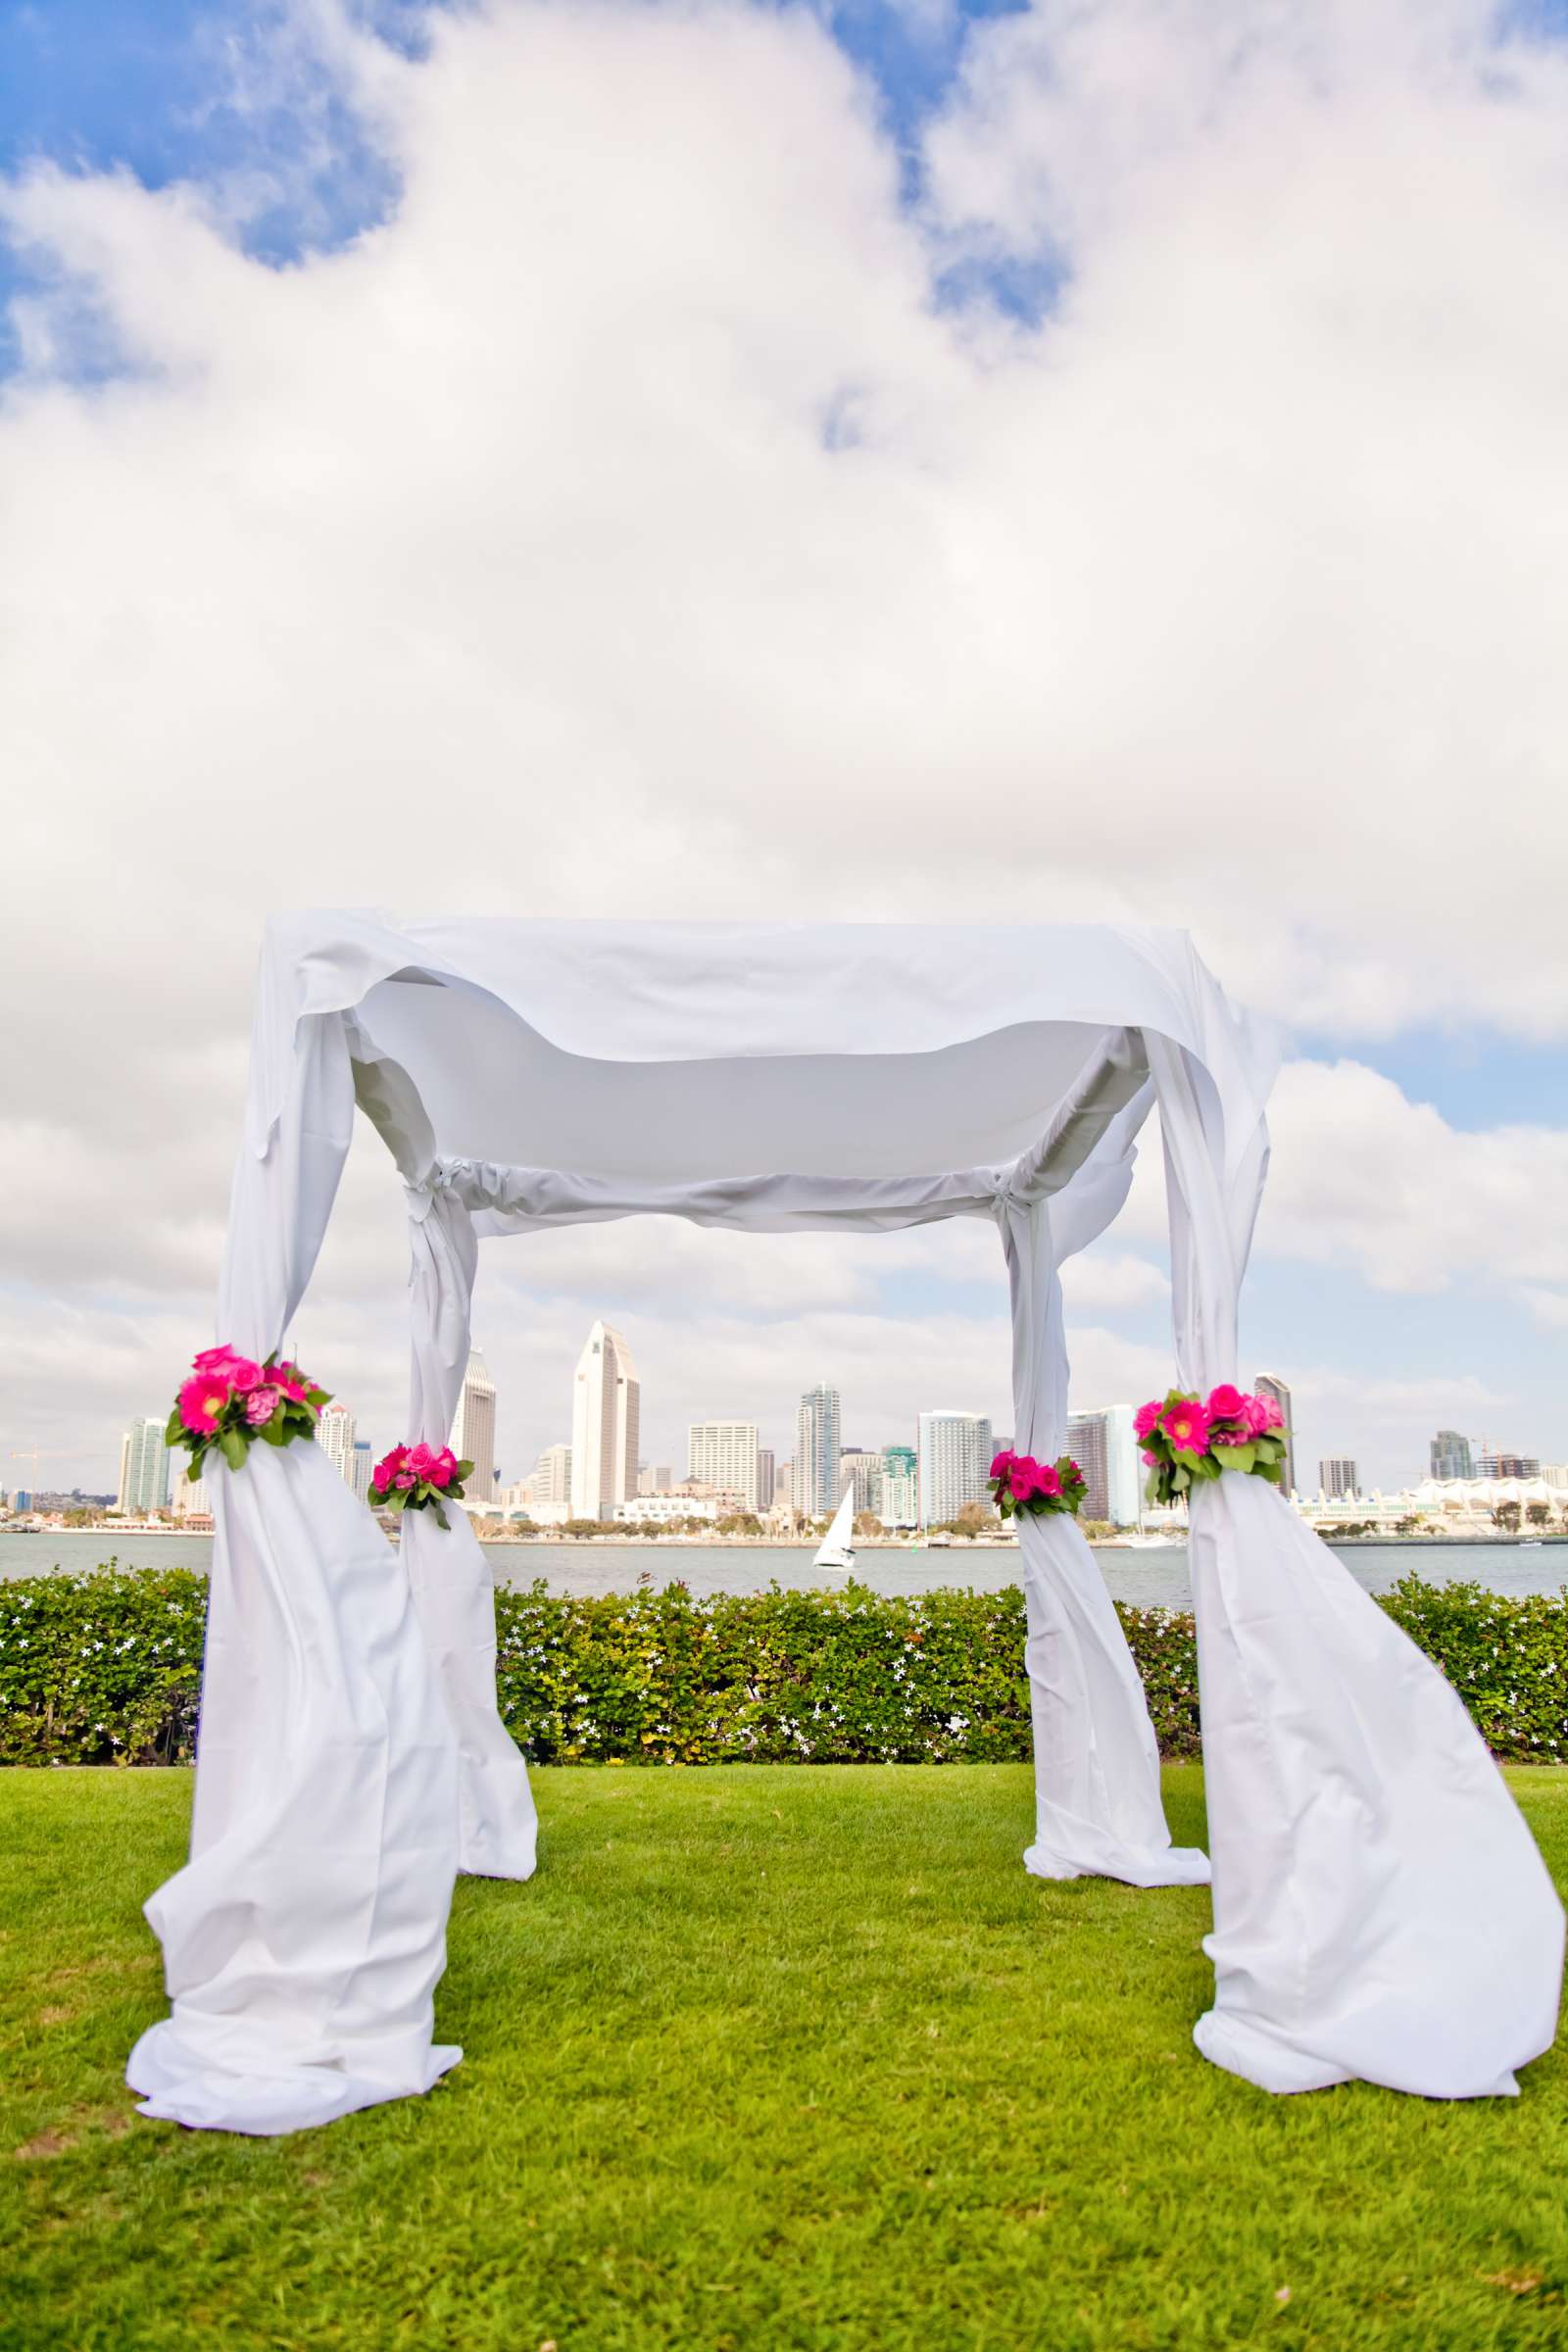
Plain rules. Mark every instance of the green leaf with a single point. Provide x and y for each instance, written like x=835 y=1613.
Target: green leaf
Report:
x=398 y=1499
x=1235 y=1457
x=464 y=1470
x=235 y=1448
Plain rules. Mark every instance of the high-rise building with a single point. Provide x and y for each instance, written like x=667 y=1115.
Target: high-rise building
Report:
x=473 y=1432
x=1086 y=1442
x=143 y=1467
x=1490 y=1464
x=866 y=1470
x=765 y=1477
x=899 y=1504
x=1337 y=1477
x=190 y=1500
x=1450 y=1456
x=784 y=1487
x=723 y=1455
x=1555 y=1474
x=817 y=1489
x=360 y=1468
x=1266 y=1384
x=550 y=1480
x=1102 y=1444
x=606 y=1426
x=335 y=1433
x=956 y=1452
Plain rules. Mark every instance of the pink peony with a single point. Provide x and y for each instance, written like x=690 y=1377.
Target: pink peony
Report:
x=1186 y=1425
x=200 y=1400
x=260 y=1407
x=1226 y=1404
x=1147 y=1418
x=1002 y=1462
x=1272 y=1417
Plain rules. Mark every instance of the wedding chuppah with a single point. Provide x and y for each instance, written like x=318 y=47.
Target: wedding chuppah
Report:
x=1380 y=1909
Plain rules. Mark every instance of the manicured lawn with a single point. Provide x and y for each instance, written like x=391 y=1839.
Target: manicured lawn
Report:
x=764 y=2059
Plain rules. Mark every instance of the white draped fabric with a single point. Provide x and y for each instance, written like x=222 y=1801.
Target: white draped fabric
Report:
x=448 y=1574
x=1097 y=1808
x=304 y=1939
x=1380 y=1908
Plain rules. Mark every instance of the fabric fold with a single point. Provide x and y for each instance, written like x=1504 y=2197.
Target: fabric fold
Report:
x=448 y=1574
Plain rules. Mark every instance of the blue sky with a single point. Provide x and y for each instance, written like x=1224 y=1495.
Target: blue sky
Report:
x=170 y=91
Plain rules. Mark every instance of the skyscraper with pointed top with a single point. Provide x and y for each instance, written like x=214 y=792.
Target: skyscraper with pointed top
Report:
x=473 y=1432
x=606 y=1425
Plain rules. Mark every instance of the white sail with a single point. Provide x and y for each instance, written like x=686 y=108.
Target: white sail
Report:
x=838 y=1544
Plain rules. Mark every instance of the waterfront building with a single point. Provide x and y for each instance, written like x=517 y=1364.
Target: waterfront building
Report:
x=784 y=1488
x=143 y=1467
x=668 y=1510
x=1488 y=1463
x=550 y=1480
x=190 y=1500
x=899 y=1502
x=1450 y=1455
x=1554 y=1475
x=766 y=1478
x=335 y=1433
x=1106 y=1450
x=817 y=1486
x=864 y=1470
x=723 y=1455
x=1337 y=1477
x=1267 y=1384
x=606 y=1426
x=956 y=1452
x=473 y=1432
x=360 y=1469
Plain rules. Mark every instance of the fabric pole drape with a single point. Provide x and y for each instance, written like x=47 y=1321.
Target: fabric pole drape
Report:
x=1380 y=1909
x=1098 y=1809
x=448 y=1574
x=304 y=1939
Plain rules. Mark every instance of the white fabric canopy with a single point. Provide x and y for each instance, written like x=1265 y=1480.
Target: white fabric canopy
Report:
x=790 y=1078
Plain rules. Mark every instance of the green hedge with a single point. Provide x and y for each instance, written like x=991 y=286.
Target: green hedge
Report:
x=106 y=1669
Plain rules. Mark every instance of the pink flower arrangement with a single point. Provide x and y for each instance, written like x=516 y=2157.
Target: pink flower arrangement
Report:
x=229 y=1401
x=416 y=1478
x=1021 y=1484
x=1186 y=1438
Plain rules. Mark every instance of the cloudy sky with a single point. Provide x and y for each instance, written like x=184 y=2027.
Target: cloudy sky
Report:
x=895 y=460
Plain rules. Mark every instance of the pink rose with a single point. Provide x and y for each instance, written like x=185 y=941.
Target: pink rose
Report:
x=242 y=1374
x=443 y=1468
x=1023 y=1477
x=388 y=1468
x=1147 y=1418
x=200 y=1401
x=1152 y=1459
x=1186 y=1425
x=420 y=1460
x=1049 y=1481
x=1002 y=1462
x=1226 y=1404
x=217 y=1361
x=1273 y=1418
x=260 y=1407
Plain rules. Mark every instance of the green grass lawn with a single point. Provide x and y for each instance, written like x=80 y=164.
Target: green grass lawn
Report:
x=764 y=2058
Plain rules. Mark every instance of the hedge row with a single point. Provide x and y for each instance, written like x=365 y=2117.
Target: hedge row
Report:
x=106 y=1669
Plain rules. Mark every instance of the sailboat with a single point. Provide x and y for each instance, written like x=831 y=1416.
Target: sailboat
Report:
x=837 y=1550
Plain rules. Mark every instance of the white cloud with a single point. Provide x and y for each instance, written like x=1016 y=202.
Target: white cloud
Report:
x=1363 y=1177
x=623 y=527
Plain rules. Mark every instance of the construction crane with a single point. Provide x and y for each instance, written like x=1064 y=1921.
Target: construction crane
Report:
x=36 y=1455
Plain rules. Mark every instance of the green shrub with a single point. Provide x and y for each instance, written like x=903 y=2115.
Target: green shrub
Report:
x=106 y=1669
